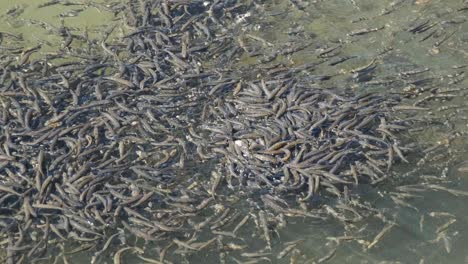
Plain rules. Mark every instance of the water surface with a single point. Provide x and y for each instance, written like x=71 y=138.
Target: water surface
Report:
x=399 y=49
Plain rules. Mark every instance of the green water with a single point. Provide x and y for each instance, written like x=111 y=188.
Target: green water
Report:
x=328 y=23
x=41 y=25
x=324 y=24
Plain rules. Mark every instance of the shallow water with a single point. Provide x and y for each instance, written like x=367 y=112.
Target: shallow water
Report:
x=40 y=25
x=324 y=24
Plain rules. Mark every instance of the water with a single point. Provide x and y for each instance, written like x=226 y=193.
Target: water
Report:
x=40 y=25
x=326 y=24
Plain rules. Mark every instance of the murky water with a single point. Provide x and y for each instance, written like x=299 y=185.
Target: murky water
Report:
x=398 y=37
x=41 y=25
x=341 y=23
